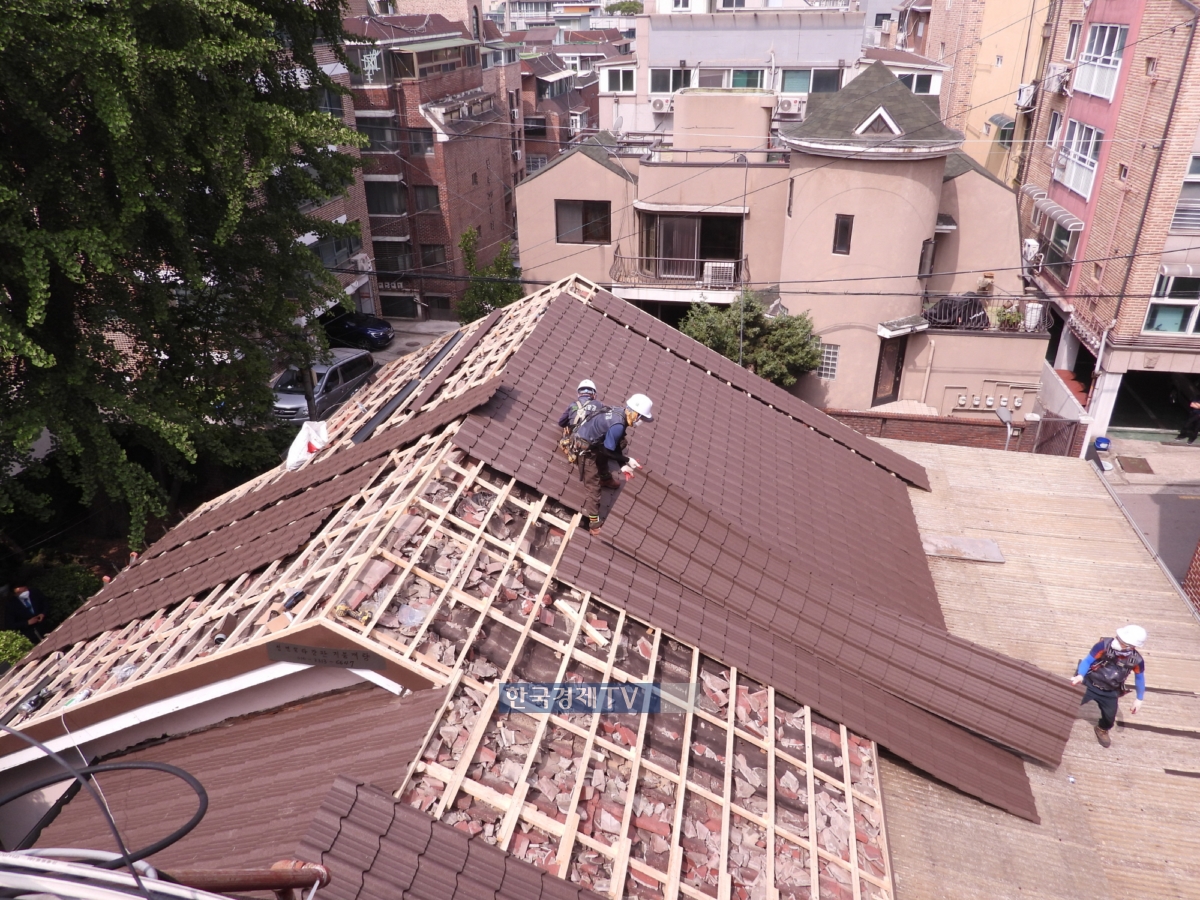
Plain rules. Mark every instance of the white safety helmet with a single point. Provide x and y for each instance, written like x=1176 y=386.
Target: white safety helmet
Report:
x=642 y=405
x=1132 y=635
x=586 y=385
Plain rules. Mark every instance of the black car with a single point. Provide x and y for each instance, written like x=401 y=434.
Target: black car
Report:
x=354 y=329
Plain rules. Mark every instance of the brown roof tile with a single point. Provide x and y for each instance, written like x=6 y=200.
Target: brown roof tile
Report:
x=260 y=772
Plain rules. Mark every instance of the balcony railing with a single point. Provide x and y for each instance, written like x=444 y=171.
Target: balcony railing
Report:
x=978 y=313
x=681 y=272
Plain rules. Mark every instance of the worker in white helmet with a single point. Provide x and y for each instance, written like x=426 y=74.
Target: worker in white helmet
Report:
x=1105 y=670
x=585 y=406
x=601 y=441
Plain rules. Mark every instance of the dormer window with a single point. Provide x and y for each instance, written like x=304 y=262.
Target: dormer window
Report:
x=879 y=122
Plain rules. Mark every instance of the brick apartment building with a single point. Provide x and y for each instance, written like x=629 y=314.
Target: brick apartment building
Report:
x=443 y=144
x=559 y=105
x=1110 y=206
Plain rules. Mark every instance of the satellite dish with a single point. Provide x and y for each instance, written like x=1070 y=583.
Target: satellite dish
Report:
x=617 y=123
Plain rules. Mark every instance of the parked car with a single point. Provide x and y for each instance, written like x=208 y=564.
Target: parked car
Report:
x=354 y=329
x=337 y=379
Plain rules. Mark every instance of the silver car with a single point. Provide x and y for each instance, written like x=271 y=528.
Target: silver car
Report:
x=346 y=371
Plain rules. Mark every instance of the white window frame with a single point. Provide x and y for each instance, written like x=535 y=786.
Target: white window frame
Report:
x=762 y=78
x=827 y=369
x=621 y=73
x=681 y=4
x=1081 y=154
x=1073 y=34
x=1162 y=293
x=1053 y=129
x=673 y=89
x=535 y=163
x=1100 y=62
x=1186 y=219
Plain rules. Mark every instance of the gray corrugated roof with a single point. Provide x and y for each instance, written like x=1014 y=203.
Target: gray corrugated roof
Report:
x=959 y=163
x=593 y=148
x=834 y=117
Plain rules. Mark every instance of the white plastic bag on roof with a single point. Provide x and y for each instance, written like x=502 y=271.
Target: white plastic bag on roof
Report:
x=313 y=436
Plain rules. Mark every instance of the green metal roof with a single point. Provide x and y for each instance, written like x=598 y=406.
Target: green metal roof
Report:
x=444 y=44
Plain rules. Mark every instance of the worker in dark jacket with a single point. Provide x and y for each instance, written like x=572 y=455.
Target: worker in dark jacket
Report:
x=26 y=611
x=584 y=406
x=606 y=437
x=1106 y=668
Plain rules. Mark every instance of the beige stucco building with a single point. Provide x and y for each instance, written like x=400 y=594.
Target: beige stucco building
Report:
x=866 y=215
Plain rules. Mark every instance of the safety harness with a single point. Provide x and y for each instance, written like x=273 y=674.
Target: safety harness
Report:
x=1110 y=669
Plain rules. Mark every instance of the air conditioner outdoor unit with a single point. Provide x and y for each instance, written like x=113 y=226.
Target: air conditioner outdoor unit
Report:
x=1025 y=95
x=720 y=273
x=517 y=155
x=1057 y=76
x=515 y=113
x=886 y=26
x=662 y=104
x=790 y=106
x=362 y=262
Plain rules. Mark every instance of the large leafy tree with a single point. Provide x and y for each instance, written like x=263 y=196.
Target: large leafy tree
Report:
x=154 y=159
x=778 y=348
x=490 y=287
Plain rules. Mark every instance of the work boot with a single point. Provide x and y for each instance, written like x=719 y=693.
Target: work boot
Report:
x=594 y=526
x=1102 y=736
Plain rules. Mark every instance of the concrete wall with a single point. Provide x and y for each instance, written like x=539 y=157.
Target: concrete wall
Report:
x=575 y=177
x=894 y=204
x=1003 y=367
x=987 y=237
x=722 y=118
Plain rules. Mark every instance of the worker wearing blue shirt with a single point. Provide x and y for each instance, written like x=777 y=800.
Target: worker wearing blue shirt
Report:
x=605 y=437
x=585 y=406
x=1105 y=670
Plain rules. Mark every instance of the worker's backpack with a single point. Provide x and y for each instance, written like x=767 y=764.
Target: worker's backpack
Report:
x=572 y=445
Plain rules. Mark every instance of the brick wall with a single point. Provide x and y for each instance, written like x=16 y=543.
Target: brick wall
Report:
x=955 y=25
x=944 y=430
x=1144 y=104
x=1191 y=581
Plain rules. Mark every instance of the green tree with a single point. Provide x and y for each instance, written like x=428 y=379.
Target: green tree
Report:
x=492 y=286
x=13 y=647
x=624 y=8
x=155 y=158
x=779 y=349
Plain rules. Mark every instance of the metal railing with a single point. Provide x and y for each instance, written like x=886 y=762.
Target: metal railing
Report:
x=726 y=274
x=980 y=313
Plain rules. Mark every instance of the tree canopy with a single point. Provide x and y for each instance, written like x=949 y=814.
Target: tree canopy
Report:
x=624 y=8
x=779 y=349
x=156 y=157
x=491 y=286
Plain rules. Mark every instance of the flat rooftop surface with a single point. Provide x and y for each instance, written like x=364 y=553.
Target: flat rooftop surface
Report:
x=1117 y=822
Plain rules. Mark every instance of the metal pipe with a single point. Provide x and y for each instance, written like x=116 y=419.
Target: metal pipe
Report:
x=282 y=876
x=928 y=370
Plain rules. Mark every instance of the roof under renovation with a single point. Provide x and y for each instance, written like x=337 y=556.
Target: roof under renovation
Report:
x=766 y=556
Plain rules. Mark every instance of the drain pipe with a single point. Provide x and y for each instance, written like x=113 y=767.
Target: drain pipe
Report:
x=928 y=370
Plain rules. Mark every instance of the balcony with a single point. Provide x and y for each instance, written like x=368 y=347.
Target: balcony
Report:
x=679 y=272
x=980 y=313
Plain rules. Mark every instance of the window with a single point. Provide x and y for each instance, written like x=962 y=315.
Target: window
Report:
x=747 y=78
x=681 y=4
x=583 y=221
x=355 y=368
x=925 y=266
x=843 y=226
x=470 y=56
x=329 y=101
x=1099 y=64
x=549 y=89
x=487 y=60
x=535 y=126
x=1005 y=136
x=1052 y=130
x=578 y=122
x=795 y=81
x=475 y=22
x=829 y=360
x=1073 y=41
x=1179 y=316
x=1059 y=254
x=791 y=190
x=1123 y=172
x=392 y=257
x=398 y=307
x=426 y=196
x=433 y=255
x=619 y=81
x=535 y=163
x=447 y=59
x=439 y=306
x=713 y=78
x=385 y=198
x=334 y=251
x=383 y=133
x=1187 y=208
x=880 y=18
x=826 y=81
x=420 y=141
x=667 y=81
x=999 y=61
x=1081 y=149
x=918 y=84
x=1151 y=66
x=370 y=66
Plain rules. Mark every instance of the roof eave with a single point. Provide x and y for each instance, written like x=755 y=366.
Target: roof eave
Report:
x=847 y=149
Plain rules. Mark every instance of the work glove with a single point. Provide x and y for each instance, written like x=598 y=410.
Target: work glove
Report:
x=628 y=468
x=1137 y=704
x=1078 y=679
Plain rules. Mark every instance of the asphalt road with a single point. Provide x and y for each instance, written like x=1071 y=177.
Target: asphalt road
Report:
x=1170 y=518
